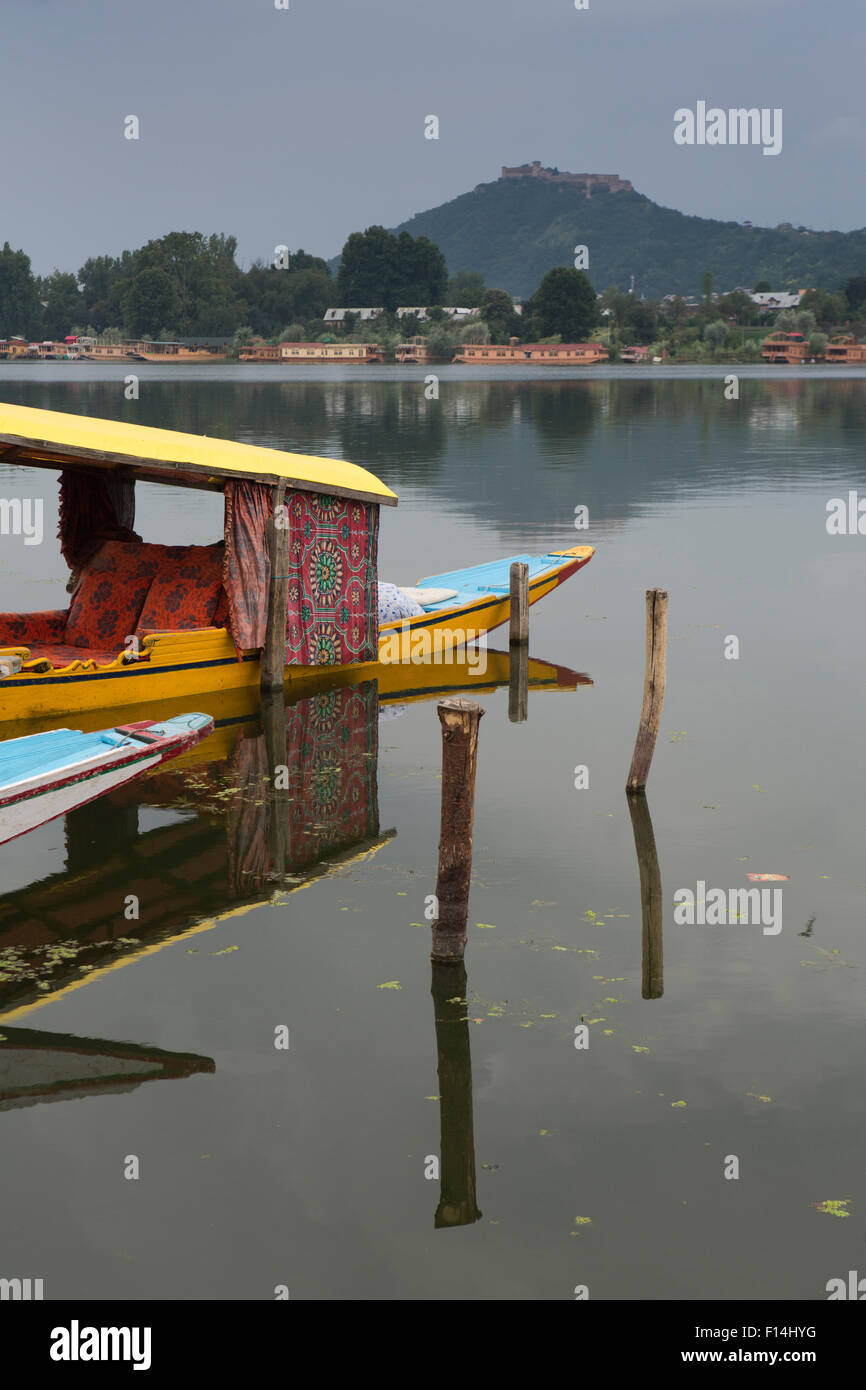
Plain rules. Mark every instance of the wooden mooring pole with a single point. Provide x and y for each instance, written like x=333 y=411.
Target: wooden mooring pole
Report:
x=653 y=689
x=273 y=667
x=459 y=719
x=519 y=585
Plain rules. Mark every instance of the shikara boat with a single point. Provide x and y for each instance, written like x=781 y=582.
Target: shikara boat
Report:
x=149 y=623
x=46 y=774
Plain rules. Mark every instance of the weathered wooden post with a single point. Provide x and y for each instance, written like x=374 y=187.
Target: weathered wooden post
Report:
x=274 y=655
x=457 y=1204
x=652 y=970
x=519 y=586
x=653 y=688
x=459 y=719
x=518 y=682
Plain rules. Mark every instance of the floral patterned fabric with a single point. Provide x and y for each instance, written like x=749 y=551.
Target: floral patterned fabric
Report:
x=395 y=603
x=185 y=590
x=247 y=564
x=94 y=507
x=22 y=629
x=333 y=602
x=110 y=595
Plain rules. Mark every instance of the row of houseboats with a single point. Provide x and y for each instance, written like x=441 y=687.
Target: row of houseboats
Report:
x=785 y=348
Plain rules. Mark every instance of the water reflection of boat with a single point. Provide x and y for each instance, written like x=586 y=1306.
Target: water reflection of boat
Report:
x=238 y=840
x=37 y=1066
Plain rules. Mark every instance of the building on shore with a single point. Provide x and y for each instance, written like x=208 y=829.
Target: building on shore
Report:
x=786 y=347
x=546 y=354
x=778 y=299
x=845 y=349
x=634 y=354
x=335 y=318
x=305 y=353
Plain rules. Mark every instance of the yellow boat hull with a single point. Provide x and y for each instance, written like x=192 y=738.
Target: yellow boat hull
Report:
x=185 y=666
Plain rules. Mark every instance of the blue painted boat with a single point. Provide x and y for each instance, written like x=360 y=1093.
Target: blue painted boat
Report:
x=44 y=775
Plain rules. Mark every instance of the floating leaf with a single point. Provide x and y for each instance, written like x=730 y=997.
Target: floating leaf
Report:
x=486 y=926
x=390 y=984
x=832 y=1207
x=678 y=1104
x=765 y=1099
x=635 y=1048
x=225 y=951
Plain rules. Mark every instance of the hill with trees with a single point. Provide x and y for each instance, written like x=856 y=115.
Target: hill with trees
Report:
x=515 y=230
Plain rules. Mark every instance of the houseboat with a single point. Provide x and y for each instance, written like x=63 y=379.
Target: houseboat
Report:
x=150 y=622
x=311 y=353
x=786 y=347
x=634 y=354
x=415 y=352
x=547 y=354
x=845 y=349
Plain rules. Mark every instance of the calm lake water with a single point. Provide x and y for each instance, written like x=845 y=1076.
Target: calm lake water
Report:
x=603 y=1166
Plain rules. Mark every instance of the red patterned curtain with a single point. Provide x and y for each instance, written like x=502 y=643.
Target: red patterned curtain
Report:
x=247 y=562
x=333 y=611
x=333 y=617
x=94 y=507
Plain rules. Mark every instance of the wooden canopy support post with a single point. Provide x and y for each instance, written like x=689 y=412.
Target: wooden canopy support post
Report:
x=459 y=719
x=519 y=585
x=653 y=688
x=652 y=971
x=274 y=655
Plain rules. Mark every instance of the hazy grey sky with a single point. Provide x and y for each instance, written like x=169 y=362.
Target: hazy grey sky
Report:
x=299 y=126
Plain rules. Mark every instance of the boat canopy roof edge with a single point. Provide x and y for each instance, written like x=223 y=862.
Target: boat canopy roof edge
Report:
x=52 y=439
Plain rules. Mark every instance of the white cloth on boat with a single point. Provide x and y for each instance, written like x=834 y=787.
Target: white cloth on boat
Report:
x=394 y=603
x=427 y=597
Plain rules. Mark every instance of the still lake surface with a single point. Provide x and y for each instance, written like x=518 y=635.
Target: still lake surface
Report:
x=305 y=1167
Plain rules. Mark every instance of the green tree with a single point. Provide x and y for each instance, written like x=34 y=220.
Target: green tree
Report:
x=497 y=311
x=565 y=303
x=854 y=290
x=20 y=310
x=63 y=303
x=707 y=285
x=378 y=268
x=149 y=302
x=763 y=287
x=715 y=334
x=465 y=289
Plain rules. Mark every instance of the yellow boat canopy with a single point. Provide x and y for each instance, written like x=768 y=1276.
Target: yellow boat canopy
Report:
x=51 y=439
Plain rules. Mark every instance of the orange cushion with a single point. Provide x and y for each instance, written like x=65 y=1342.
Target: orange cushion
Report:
x=186 y=589
x=108 y=600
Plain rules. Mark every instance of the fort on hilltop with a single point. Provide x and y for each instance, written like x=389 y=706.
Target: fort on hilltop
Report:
x=613 y=182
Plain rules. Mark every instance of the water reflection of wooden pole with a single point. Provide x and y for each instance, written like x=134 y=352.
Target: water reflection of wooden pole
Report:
x=652 y=973
x=273 y=716
x=457 y=1206
x=518 y=682
x=459 y=719
x=653 y=688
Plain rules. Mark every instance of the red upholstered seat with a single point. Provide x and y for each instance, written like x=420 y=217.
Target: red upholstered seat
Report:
x=185 y=590
x=128 y=587
x=19 y=629
x=109 y=598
